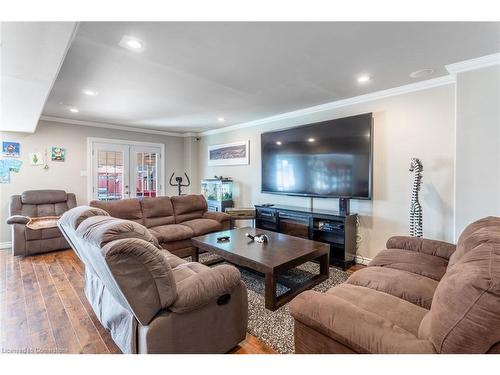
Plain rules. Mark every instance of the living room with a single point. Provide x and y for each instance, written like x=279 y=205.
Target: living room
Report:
x=250 y=187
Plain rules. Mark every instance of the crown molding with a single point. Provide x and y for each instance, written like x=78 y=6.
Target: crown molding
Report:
x=473 y=64
x=111 y=126
x=412 y=87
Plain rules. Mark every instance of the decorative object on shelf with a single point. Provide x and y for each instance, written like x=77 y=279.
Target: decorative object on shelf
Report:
x=178 y=182
x=260 y=238
x=236 y=153
x=7 y=166
x=57 y=154
x=416 y=229
x=36 y=158
x=11 y=149
x=218 y=192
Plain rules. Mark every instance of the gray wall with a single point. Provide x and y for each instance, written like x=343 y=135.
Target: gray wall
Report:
x=478 y=145
x=68 y=175
x=417 y=124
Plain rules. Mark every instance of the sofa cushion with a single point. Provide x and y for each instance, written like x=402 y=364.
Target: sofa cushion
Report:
x=173 y=260
x=409 y=286
x=411 y=261
x=203 y=226
x=99 y=230
x=157 y=211
x=188 y=207
x=127 y=209
x=74 y=217
x=143 y=275
x=43 y=196
x=465 y=312
x=472 y=236
x=363 y=319
x=41 y=234
x=171 y=232
x=187 y=269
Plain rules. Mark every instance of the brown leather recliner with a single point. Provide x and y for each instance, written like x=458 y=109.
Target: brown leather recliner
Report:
x=418 y=296
x=150 y=300
x=35 y=204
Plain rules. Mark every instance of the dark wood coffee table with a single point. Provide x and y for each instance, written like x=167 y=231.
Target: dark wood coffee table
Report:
x=281 y=253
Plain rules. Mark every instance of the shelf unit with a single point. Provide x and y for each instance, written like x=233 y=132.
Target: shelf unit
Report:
x=313 y=224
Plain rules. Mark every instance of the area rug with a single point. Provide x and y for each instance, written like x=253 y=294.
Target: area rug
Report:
x=275 y=328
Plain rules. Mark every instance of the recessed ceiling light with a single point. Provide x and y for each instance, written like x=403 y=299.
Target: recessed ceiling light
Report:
x=221 y=119
x=131 y=43
x=90 y=92
x=74 y=110
x=422 y=73
x=278 y=143
x=311 y=140
x=364 y=78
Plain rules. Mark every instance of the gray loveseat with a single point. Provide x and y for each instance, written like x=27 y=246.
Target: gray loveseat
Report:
x=149 y=299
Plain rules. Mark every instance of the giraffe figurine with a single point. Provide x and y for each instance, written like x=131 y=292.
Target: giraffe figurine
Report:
x=416 y=229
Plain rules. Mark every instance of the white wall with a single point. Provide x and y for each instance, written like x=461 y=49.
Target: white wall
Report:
x=478 y=145
x=417 y=124
x=67 y=175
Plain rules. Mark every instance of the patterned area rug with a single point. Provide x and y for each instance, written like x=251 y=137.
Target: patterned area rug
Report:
x=275 y=328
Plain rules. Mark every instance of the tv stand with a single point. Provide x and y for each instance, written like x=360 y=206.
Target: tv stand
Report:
x=331 y=227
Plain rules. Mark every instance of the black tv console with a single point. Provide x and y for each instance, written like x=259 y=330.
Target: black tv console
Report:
x=337 y=230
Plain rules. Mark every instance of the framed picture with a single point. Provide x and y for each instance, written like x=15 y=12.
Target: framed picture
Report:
x=236 y=153
x=36 y=158
x=57 y=154
x=10 y=149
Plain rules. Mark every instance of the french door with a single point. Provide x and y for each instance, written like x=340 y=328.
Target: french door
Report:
x=122 y=169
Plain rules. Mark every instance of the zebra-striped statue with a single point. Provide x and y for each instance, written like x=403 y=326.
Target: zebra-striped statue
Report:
x=416 y=229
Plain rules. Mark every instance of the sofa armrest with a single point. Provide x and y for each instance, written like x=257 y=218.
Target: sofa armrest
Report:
x=423 y=245
x=361 y=330
x=219 y=216
x=17 y=219
x=204 y=287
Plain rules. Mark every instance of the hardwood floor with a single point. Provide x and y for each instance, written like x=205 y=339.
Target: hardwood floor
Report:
x=43 y=308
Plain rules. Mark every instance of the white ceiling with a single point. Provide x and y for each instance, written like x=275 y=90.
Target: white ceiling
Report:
x=31 y=55
x=189 y=74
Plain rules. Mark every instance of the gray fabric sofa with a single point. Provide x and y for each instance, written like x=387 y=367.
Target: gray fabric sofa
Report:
x=34 y=204
x=149 y=299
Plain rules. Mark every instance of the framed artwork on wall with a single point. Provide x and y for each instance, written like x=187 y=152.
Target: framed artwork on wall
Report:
x=236 y=153
x=11 y=149
x=36 y=158
x=58 y=154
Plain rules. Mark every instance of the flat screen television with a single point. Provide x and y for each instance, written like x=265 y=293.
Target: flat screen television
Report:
x=329 y=159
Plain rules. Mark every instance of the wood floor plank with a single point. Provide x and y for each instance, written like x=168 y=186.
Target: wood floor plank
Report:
x=64 y=334
x=67 y=263
x=16 y=322
x=3 y=297
x=40 y=330
x=89 y=338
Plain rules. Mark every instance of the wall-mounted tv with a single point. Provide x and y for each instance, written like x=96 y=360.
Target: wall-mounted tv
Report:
x=329 y=159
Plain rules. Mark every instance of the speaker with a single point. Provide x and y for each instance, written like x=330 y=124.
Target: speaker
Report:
x=344 y=204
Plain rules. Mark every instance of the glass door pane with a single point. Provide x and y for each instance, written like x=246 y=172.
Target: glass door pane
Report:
x=110 y=172
x=145 y=171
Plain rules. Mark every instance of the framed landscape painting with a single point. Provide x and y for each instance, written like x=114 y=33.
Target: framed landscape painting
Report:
x=236 y=153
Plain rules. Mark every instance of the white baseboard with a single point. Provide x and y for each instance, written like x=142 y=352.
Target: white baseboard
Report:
x=5 y=245
x=362 y=260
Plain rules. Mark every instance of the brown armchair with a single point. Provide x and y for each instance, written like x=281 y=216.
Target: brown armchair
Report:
x=35 y=204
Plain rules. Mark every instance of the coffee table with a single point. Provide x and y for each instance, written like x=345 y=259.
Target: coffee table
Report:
x=281 y=253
